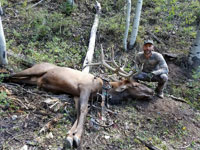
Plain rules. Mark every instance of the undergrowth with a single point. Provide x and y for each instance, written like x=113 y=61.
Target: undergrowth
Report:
x=60 y=34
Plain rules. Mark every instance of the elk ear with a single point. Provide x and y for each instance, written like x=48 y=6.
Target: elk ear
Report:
x=121 y=88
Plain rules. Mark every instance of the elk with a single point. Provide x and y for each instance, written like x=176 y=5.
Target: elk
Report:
x=82 y=86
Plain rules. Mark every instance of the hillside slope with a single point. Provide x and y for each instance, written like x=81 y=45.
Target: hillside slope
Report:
x=53 y=32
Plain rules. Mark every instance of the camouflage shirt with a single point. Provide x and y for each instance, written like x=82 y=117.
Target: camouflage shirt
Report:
x=156 y=64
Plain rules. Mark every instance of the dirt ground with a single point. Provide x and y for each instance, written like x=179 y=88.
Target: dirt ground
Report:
x=165 y=124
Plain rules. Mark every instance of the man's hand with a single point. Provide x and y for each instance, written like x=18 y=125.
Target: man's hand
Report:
x=150 y=75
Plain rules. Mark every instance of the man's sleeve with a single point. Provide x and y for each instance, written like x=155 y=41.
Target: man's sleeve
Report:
x=1 y=10
x=162 y=67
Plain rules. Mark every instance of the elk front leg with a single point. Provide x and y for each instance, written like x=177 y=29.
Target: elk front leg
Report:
x=84 y=97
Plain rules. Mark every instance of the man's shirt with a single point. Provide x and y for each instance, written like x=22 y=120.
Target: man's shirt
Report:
x=155 y=64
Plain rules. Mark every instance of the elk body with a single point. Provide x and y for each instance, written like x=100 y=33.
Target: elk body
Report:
x=81 y=85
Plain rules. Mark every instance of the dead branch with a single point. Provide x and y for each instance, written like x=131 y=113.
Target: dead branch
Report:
x=184 y=147
x=35 y=4
x=155 y=37
x=149 y=145
x=97 y=123
x=26 y=107
x=29 y=92
x=177 y=98
x=108 y=110
x=90 y=52
x=49 y=125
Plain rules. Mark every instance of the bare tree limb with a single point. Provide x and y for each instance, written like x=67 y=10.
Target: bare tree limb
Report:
x=35 y=4
x=90 y=52
x=155 y=38
x=49 y=125
x=149 y=145
x=177 y=99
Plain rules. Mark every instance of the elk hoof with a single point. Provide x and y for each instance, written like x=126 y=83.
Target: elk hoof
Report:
x=68 y=143
x=77 y=141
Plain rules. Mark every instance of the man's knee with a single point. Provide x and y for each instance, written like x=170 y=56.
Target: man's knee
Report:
x=164 y=77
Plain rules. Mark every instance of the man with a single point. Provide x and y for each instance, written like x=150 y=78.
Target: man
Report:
x=153 y=67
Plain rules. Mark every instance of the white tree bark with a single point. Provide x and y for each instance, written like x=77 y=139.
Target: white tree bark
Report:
x=194 y=55
x=128 y=7
x=3 y=55
x=71 y=2
x=136 y=23
x=90 y=52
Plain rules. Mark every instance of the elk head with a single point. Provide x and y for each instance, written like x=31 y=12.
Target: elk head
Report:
x=127 y=88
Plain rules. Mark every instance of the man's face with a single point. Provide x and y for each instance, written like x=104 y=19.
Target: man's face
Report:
x=148 y=48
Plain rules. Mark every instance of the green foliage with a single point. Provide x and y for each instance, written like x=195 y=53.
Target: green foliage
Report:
x=113 y=26
x=47 y=37
x=109 y=6
x=43 y=25
x=4 y=2
x=67 y=8
x=4 y=100
x=190 y=91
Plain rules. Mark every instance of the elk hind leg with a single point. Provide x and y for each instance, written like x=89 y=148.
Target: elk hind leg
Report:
x=72 y=131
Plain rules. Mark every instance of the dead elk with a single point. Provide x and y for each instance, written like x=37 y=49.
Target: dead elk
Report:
x=81 y=85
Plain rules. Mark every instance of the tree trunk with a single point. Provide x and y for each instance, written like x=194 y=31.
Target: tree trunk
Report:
x=71 y=2
x=136 y=23
x=194 y=55
x=3 y=55
x=127 y=24
x=90 y=52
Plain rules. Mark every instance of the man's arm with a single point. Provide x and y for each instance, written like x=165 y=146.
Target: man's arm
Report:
x=1 y=10
x=162 y=67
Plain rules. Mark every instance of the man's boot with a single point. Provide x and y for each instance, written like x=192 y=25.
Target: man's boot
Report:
x=159 y=90
x=160 y=94
x=161 y=85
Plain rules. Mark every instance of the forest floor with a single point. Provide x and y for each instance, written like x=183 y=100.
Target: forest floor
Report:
x=47 y=33
x=166 y=124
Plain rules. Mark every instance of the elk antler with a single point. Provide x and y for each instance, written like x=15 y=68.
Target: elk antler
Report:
x=119 y=70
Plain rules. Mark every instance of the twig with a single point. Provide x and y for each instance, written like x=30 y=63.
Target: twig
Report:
x=14 y=137
x=14 y=84
x=54 y=104
x=35 y=4
x=177 y=98
x=149 y=145
x=22 y=103
x=155 y=37
x=108 y=110
x=95 y=139
x=51 y=123
x=184 y=147
x=104 y=126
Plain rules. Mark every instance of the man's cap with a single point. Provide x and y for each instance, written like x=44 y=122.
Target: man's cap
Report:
x=148 y=41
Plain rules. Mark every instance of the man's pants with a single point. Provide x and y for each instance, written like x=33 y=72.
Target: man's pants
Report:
x=161 y=79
